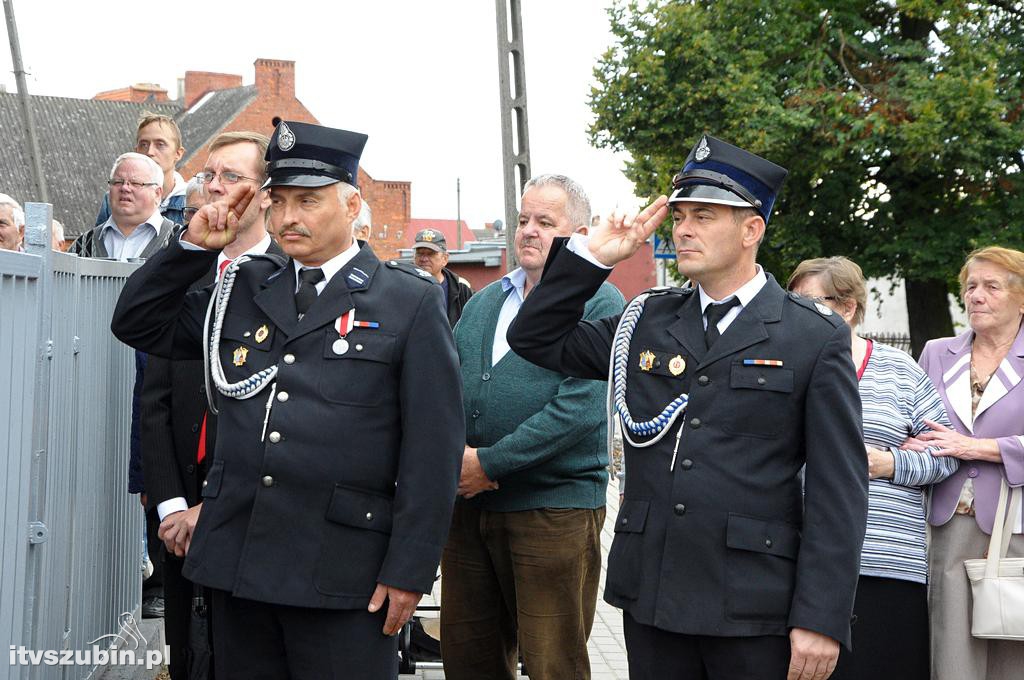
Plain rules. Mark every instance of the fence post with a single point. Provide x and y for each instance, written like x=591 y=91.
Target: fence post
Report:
x=38 y=223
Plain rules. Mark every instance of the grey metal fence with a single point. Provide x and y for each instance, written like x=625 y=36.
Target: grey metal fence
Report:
x=71 y=534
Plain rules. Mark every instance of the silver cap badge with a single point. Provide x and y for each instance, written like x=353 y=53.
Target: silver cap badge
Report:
x=285 y=138
x=703 y=151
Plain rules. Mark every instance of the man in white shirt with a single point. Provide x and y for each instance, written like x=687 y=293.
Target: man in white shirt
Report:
x=135 y=228
x=178 y=435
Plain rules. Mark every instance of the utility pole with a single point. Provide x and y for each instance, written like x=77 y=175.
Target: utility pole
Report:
x=35 y=159
x=515 y=138
x=458 y=212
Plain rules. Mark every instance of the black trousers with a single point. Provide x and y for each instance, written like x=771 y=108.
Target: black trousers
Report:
x=890 y=637
x=261 y=641
x=178 y=594
x=655 y=654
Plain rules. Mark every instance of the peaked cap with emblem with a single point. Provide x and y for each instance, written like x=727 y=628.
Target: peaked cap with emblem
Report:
x=718 y=172
x=307 y=155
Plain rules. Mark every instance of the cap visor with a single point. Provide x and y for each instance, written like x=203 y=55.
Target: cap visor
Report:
x=432 y=246
x=703 y=193
x=311 y=181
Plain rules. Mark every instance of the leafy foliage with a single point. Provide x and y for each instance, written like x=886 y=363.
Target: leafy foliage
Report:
x=900 y=121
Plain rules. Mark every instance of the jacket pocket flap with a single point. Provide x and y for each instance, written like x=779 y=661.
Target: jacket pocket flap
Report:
x=360 y=509
x=257 y=333
x=632 y=517
x=763 y=536
x=770 y=378
x=364 y=344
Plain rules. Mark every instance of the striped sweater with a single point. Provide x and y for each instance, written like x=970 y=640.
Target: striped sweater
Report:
x=897 y=397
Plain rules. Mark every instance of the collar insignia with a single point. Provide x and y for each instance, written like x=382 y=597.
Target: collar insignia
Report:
x=261 y=333
x=676 y=365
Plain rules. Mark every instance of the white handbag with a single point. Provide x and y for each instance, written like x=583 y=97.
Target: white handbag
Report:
x=997 y=582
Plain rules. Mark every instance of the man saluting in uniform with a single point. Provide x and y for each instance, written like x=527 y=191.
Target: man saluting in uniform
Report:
x=724 y=569
x=328 y=501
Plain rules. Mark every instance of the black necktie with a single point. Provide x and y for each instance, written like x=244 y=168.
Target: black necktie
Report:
x=715 y=313
x=304 y=296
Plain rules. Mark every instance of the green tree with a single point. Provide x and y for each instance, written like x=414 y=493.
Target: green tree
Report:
x=900 y=122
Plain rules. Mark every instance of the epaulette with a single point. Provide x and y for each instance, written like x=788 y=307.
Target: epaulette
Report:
x=411 y=270
x=668 y=290
x=820 y=310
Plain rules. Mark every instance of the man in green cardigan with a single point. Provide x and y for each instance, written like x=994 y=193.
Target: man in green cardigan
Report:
x=523 y=558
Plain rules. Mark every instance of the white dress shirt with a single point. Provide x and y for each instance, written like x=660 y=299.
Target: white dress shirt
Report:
x=580 y=244
x=330 y=268
x=123 y=248
x=514 y=281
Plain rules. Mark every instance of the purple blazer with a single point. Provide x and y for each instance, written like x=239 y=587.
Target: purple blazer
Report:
x=947 y=361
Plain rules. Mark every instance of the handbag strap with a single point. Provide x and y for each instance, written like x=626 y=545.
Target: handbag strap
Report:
x=999 y=543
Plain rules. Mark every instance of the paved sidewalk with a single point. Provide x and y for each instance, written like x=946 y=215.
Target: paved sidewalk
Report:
x=607 y=647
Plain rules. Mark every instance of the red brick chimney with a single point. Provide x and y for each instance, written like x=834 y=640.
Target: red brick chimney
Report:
x=139 y=92
x=275 y=77
x=198 y=83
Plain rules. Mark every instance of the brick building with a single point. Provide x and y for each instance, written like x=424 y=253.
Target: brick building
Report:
x=80 y=138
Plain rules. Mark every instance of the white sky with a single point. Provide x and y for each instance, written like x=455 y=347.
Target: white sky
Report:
x=420 y=78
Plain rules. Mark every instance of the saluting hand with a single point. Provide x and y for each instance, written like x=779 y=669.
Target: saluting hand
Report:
x=216 y=224
x=616 y=240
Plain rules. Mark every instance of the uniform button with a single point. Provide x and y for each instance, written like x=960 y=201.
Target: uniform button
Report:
x=485 y=377
x=624 y=521
x=195 y=427
x=268 y=481
x=687 y=463
x=274 y=437
x=761 y=380
x=205 y=483
x=289 y=359
x=369 y=516
x=475 y=414
x=282 y=396
x=202 y=390
x=679 y=509
x=190 y=468
x=359 y=348
x=657 y=363
x=703 y=380
x=767 y=542
x=695 y=423
x=973 y=472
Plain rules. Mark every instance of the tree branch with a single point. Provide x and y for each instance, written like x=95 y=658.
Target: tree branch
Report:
x=1007 y=7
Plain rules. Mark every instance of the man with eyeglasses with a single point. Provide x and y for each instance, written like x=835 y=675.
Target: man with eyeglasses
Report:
x=177 y=432
x=159 y=138
x=135 y=228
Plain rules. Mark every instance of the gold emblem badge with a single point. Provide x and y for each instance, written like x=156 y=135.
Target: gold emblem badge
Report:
x=646 y=360
x=677 y=365
x=428 y=236
x=240 y=355
x=261 y=333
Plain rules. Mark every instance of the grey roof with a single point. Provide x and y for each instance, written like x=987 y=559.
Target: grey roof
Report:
x=79 y=140
x=206 y=118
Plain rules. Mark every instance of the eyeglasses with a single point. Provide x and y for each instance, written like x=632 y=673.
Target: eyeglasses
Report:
x=226 y=177
x=822 y=298
x=134 y=185
x=189 y=213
